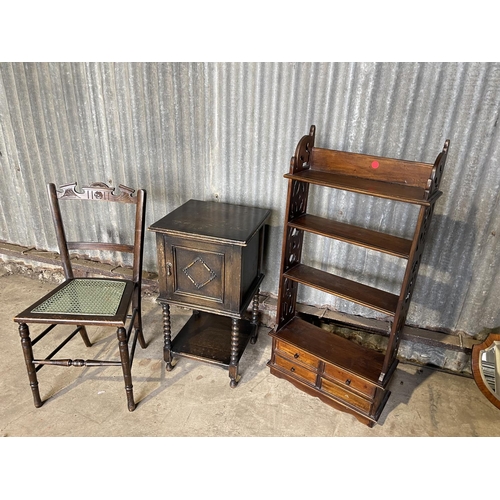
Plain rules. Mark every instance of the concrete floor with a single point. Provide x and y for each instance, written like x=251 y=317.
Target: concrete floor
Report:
x=195 y=398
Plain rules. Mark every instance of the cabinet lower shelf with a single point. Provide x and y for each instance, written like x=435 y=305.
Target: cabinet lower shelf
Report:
x=207 y=337
x=339 y=372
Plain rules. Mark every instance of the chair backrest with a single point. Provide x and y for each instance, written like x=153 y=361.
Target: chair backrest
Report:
x=99 y=192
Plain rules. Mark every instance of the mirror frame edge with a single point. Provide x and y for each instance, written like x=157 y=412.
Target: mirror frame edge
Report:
x=476 y=367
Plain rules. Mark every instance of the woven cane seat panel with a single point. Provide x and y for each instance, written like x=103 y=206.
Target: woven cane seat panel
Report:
x=85 y=297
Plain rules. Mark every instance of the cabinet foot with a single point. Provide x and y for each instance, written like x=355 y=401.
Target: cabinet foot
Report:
x=234 y=380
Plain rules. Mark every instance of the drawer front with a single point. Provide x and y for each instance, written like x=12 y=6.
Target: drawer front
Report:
x=198 y=274
x=297 y=354
x=344 y=395
x=350 y=380
x=296 y=370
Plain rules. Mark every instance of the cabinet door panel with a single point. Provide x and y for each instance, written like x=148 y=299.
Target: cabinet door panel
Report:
x=199 y=273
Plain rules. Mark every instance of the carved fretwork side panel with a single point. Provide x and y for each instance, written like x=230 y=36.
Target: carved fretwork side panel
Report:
x=408 y=286
x=286 y=302
x=292 y=250
x=298 y=199
x=292 y=238
x=414 y=260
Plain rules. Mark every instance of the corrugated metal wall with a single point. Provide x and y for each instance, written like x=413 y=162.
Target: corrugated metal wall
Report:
x=227 y=131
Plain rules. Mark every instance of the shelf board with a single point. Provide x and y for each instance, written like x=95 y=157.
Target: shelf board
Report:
x=207 y=337
x=390 y=190
x=368 y=296
x=367 y=238
x=331 y=348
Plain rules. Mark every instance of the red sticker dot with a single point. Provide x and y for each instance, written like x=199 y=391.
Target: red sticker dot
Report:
x=375 y=164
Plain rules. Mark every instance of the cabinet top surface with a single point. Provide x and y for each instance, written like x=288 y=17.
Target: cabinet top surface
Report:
x=214 y=220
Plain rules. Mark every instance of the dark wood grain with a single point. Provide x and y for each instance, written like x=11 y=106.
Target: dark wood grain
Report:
x=367 y=238
x=381 y=189
x=409 y=173
x=358 y=360
x=368 y=296
x=220 y=222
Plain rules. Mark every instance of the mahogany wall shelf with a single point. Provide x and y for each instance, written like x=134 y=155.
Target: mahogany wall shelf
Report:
x=345 y=375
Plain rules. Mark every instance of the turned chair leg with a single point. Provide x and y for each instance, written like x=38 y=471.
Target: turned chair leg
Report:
x=142 y=340
x=84 y=335
x=138 y=328
x=125 y=360
x=28 y=358
x=136 y=308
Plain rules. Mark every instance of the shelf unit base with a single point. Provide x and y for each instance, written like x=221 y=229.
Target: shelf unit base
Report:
x=337 y=404
x=339 y=372
x=207 y=337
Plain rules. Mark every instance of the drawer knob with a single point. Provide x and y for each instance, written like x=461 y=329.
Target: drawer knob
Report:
x=296 y=355
x=347 y=382
x=292 y=369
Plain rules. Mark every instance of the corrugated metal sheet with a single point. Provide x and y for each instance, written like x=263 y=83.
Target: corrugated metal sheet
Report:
x=227 y=132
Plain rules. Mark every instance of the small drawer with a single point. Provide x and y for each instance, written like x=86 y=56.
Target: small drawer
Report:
x=348 y=397
x=350 y=380
x=296 y=370
x=297 y=354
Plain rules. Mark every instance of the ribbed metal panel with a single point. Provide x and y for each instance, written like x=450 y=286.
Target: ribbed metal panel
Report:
x=227 y=132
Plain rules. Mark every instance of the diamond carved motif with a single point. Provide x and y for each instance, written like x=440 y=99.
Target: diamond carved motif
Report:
x=199 y=265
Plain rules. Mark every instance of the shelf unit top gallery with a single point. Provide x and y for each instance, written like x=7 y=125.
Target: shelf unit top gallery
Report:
x=399 y=180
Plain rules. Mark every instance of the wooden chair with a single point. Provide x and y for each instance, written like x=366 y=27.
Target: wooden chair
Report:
x=89 y=301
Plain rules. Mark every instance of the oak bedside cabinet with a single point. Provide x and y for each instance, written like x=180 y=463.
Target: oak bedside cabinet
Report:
x=210 y=257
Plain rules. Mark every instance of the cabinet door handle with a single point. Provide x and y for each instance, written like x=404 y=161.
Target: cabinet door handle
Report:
x=169 y=269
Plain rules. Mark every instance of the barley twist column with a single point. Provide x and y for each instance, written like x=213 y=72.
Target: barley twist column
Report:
x=233 y=365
